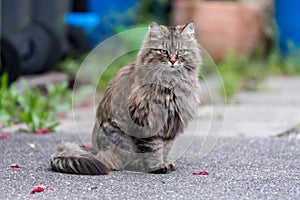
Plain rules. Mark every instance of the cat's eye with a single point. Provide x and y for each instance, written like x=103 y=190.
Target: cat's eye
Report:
x=162 y=51
x=180 y=51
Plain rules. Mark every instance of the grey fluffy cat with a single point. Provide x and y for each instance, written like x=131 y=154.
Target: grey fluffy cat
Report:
x=146 y=105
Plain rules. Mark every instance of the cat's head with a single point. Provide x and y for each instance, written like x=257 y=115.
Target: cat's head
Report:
x=171 y=48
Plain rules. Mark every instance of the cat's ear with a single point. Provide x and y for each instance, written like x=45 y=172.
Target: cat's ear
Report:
x=188 y=29
x=154 y=28
x=156 y=31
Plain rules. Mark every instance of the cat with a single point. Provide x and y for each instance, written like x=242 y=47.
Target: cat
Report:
x=146 y=105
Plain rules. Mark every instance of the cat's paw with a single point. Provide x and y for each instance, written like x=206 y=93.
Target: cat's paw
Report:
x=171 y=166
x=164 y=168
x=160 y=169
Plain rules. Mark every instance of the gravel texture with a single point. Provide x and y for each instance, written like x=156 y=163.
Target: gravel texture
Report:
x=239 y=168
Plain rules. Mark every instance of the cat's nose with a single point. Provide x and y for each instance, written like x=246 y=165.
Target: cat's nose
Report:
x=173 y=59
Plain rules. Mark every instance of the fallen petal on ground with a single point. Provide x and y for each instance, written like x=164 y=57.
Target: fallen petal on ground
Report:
x=200 y=173
x=42 y=131
x=4 y=136
x=39 y=188
x=14 y=166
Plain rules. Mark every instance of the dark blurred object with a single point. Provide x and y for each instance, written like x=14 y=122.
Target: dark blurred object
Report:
x=80 y=6
x=288 y=22
x=35 y=31
x=10 y=61
x=13 y=36
x=78 y=40
x=41 y=48
x=35 y=36
x=49 y=14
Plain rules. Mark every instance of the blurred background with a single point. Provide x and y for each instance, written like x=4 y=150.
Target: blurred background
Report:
x=248 y=39
x=37 y=35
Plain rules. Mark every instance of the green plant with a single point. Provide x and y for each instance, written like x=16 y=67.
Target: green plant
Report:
x=58 y=97
x=70 y=65
x=231 y=70
x=231 y=82
x=34 y=111
x=292 y=65
x=8 y=101
x=31 y=107
x=275 y=63
x=39 y=111
x=241 y=72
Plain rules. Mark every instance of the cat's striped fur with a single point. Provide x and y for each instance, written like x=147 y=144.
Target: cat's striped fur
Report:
x=146 y=105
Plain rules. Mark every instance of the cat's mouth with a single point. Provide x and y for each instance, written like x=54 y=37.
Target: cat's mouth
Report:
x=174 y=65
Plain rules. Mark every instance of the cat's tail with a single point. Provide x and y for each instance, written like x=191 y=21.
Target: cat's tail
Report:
x=74 y=159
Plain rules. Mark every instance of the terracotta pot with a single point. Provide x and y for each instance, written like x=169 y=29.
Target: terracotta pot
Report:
x=221 y=25
x=182 y=11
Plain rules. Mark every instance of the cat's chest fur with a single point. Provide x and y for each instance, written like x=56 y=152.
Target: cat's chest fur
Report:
x=164 y=106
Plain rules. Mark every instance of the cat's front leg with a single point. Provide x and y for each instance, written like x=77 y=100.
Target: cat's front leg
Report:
x=166 y=150
x=150 y=154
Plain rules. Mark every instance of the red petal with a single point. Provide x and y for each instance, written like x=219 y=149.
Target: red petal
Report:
x=200 y=173
x=37 y=189
x=4 y=136
x=14 y=166
x=42 y=131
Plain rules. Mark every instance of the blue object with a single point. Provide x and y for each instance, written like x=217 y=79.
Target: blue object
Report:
x=114 y=14
x=89 y=22
x=288 y=21
x=103 y=18
x=83 y=19
x=103 y=7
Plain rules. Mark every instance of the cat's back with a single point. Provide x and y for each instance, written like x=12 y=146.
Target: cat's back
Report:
x=120 y=83
x=123 y=73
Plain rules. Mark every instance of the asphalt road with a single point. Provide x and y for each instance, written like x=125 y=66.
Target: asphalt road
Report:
x=239 y=168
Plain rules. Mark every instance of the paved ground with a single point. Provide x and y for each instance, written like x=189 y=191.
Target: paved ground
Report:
x=239 y=168
x=249 y=161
